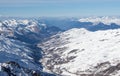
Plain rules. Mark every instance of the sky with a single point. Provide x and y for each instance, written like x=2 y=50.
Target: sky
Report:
x=56 y=8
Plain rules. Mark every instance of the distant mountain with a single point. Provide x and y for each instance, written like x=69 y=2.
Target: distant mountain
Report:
x=89 y=23
x=105 y=20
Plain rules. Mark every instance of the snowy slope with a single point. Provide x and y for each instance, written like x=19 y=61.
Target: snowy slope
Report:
x=78 y=52
x=17 y=52
x=19 y=55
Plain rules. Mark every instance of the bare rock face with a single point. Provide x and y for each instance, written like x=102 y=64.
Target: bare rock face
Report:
x=12 y=68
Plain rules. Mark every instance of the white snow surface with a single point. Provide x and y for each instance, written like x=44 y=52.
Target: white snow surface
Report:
x=88 y=48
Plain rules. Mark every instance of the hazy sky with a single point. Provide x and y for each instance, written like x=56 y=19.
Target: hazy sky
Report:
x=59 y=8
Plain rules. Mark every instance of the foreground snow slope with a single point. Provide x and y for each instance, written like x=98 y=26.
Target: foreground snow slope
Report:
x=79 y=52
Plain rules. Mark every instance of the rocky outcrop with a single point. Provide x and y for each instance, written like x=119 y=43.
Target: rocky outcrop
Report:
x=12 y=68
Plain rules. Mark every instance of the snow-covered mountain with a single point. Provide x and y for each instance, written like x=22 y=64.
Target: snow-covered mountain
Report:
x=19 y=55
x=59 y=46
x=79 y=52
x=29 y=29
x=89 y=23
x=105 y=20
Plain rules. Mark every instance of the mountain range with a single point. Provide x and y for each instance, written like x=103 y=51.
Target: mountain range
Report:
x=60 y=46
